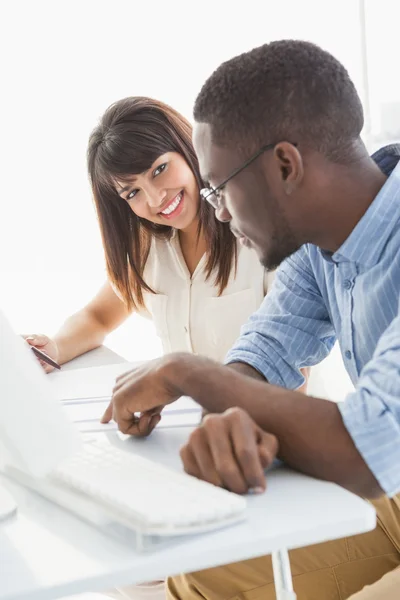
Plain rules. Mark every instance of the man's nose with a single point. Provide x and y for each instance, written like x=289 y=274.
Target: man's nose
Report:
x=223 y=214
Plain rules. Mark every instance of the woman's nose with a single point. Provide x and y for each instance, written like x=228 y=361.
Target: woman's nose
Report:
x=155 y=197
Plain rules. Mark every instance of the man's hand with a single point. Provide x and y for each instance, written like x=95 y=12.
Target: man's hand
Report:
x=230 y=451
x=311 y=432
x=140 y=395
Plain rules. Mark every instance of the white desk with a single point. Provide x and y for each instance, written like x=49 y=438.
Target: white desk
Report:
x=95 y=358
x=46 y=553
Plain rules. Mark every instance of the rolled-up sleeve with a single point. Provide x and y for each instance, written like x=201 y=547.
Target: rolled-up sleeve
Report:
x=371 y=414
x=292 y=328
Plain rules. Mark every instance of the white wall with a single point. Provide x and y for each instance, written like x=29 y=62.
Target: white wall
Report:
x=382 y=21
x=65 y=62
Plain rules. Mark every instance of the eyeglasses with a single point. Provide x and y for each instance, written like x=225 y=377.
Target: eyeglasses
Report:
x=213 y=195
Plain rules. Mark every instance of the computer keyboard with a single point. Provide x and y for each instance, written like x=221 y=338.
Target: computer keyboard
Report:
x=103 y=484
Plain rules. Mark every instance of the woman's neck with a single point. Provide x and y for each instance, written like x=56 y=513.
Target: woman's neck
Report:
x=193 y=245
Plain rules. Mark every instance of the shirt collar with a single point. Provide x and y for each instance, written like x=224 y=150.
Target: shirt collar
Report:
x=369 y=237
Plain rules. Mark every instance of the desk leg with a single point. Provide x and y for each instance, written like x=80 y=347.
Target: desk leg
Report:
x=282 y=576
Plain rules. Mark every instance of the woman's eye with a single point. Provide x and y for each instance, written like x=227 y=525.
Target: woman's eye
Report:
x=132 y=194
x=159 y=169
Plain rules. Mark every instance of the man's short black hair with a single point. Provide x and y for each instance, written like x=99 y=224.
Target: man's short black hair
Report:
x=287 y=90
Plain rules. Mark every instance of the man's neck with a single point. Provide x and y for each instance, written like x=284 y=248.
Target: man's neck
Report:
x=352 y=192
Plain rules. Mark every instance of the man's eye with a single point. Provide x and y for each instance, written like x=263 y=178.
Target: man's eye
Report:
x=132 y=194
x=159 y=169
x=219 y=192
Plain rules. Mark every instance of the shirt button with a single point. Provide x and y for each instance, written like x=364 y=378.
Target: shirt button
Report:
x=186 y=329
x=347 y=284
x=348 y=354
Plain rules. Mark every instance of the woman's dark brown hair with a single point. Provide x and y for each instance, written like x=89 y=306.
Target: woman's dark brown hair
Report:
x=131 y=135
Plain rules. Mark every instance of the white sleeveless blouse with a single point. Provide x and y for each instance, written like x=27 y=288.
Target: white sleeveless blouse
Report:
x=187 y=312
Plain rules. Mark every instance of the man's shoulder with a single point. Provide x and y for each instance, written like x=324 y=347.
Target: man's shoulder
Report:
x=307 y=264
x=387 y=158
x=307 y=258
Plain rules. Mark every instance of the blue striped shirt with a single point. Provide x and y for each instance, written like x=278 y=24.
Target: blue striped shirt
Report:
x=353 y=296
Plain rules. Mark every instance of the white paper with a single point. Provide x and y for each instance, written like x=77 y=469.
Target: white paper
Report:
x=81 y=411
x=93 y=382
x=190 y=419
x=86 y=393
x=92 y=411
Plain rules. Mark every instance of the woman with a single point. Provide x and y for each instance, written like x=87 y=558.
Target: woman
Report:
x=167 y=256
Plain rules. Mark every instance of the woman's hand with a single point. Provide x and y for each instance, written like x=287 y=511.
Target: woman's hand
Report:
x=49 y=346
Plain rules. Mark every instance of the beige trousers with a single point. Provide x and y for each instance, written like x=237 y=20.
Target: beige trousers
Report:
x=361 y=567
x=331 y=571
x=387 y=588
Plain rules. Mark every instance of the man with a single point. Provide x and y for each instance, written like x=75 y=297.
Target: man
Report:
x=278 y=137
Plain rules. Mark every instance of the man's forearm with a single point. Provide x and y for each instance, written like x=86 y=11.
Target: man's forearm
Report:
x=312 y=436
x=245 y=369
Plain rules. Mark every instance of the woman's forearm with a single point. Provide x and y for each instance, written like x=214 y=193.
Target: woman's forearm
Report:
x=80 y=333
x=86 y=329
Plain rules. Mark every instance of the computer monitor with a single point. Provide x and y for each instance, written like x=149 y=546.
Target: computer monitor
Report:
x=35 y=433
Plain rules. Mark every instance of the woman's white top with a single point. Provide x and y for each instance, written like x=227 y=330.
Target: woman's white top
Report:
x=187 y=312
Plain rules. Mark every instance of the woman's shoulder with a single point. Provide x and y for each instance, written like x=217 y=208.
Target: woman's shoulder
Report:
x=249 y=265
x=247 y=258
x=161 y=247
x=161 y=259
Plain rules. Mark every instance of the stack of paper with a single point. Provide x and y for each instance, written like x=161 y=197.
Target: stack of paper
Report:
x=86 y=393
x=93 y=382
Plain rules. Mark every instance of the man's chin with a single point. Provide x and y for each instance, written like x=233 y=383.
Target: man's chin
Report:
x=262 y=256
x=265 y=263
x=271 y=263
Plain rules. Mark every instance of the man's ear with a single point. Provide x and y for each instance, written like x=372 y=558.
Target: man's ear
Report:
x=290 y=163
